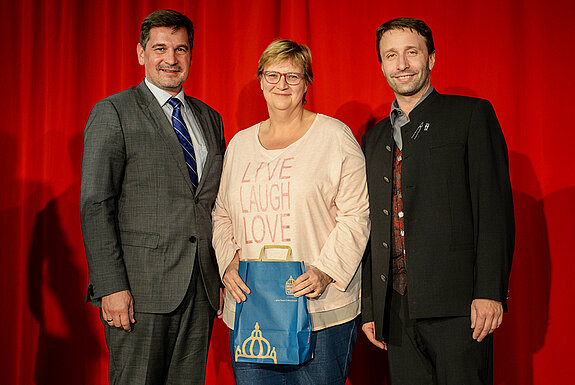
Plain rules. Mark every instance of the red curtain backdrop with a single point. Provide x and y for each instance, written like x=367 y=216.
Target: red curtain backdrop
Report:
x=60 y=57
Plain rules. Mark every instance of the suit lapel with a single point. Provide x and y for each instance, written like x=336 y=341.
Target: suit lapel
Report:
x=156 y=115
x=208 y=137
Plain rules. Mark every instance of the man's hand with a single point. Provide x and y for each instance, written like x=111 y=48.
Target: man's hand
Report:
x=118 y=310
x=232 y=281
x=220 y=313
x=312 y=283
x=369 y=330
x=486 y=316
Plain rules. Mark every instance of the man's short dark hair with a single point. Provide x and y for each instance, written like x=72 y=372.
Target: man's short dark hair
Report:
x=166 y=18
x=410 y=23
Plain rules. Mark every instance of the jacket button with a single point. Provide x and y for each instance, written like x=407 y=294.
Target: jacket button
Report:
x=386 y=179
x=386 y=211
x=193 y=239
x=385 y=245
x=388 y=148
x=197 y=200
x=383 y=278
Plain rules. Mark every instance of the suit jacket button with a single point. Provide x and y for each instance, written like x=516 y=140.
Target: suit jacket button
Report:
x=196 y=200
x=193 y=239
x=388 y=148
x=386 y=179
x=386 y=211
x=385 y=245
x=383 y=278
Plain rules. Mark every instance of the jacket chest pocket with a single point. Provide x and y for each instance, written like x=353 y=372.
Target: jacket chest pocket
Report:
x=448 y=161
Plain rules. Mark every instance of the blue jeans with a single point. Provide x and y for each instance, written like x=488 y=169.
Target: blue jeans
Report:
x=329 y=365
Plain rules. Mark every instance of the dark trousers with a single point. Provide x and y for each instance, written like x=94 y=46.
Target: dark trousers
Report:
x=164 y=348
x=435 y=351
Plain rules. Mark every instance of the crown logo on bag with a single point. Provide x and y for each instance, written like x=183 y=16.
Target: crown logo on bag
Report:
x=257 y=338
x=289 y=285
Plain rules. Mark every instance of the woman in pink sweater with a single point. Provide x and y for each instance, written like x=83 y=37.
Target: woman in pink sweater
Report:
x=297 y=179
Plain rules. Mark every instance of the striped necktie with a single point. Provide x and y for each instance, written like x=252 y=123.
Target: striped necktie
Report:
x=185 y=140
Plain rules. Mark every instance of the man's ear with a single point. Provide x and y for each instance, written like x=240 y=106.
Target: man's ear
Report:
x=140 y=51
x=431 y=60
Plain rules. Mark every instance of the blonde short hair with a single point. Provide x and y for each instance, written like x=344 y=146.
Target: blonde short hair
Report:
x=282 y=50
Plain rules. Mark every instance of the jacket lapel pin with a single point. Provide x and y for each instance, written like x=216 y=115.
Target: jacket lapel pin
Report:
x=417 y=131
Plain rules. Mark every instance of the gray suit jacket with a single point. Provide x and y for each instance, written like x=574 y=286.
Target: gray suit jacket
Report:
x=142 y=223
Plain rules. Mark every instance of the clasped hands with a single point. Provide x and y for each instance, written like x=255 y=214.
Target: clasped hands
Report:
x=312 y=283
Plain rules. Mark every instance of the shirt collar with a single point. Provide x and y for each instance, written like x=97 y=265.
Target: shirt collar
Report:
x=396 y=111
x=163 y=96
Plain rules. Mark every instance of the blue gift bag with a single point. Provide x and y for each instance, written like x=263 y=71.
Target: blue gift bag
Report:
x=272 y=326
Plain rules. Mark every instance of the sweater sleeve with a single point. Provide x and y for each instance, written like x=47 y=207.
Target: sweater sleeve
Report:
x=223 y=234
x=342 y=252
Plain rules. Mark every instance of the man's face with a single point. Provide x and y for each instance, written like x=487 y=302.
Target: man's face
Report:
x=405 y=62
x=166 y=58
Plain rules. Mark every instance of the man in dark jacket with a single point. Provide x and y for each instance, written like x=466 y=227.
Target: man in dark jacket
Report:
x=437 y=267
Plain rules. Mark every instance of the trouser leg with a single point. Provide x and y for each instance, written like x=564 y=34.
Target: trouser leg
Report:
x=457 y=358
x=409 y=363
x=192 y=338
x=164 y=348
x=436 y=350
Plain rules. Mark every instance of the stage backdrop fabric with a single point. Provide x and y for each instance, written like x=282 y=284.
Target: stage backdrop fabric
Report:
x=61 y=57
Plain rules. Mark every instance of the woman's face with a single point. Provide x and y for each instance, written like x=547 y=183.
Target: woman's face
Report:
x=283 y=96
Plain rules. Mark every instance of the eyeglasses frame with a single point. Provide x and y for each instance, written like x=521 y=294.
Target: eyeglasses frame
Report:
x=302 y=77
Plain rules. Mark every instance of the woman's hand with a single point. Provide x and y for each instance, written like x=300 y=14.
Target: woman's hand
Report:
x=232 y=281
x=312 y=283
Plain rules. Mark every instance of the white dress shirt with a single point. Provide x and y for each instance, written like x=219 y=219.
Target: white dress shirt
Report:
x=194 y=129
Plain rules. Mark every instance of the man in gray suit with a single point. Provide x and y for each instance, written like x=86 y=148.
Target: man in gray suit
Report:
x=150 y=173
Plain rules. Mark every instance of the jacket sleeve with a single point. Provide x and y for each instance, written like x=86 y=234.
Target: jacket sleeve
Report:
x=103 y=165
x=492 y=204
x=366 y=289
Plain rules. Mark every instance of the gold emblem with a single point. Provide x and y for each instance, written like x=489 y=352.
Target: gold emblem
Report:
x=289 y=285
x=256 y=338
